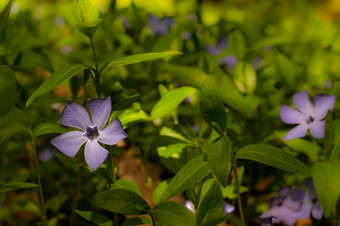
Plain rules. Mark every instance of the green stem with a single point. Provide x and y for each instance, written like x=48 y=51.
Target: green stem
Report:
x=153 y=220
x=114 y=179
x=41 y=197
x=238 y=194
x=76 y=198
x=97 y=72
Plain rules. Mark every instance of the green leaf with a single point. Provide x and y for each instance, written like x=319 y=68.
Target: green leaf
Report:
x=136 y=221
x=121 y=106
x=8 y=87
x=126 y=184
x=84 y=12
x=219 y=156
x=56 y=79
x=133 y=59
x=4 y=16
x=89 y=29
x=90 y=85
x=163 y=141
x=211 y=204
x=272 y=156
x=287 y=69
x=121 y=201
x=329 y=135
x=245 y=77
x=173 y=213
x=46 y=128
x=170 y=101
x=191 y=173
x=15 y=185
x=190 y=75
x=212 y=108
x=158 y=192
x=326 y=178
x=96 y=218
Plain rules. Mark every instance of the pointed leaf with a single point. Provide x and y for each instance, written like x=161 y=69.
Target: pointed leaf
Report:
x=133 y=59
x=121 y=201
x=56 y=79
x=212 y=108
x=191 y=173
x=126 y=184
x=170 y=101
x=96 y=218
x=173 y=213
x=84 y=12
x=219 y=156
x=15 y=185
x=46 y=128
x=272 y=156
x=326 y=178
x=4 y=16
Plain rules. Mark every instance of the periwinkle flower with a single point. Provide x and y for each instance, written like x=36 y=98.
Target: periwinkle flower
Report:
x=160 y=27
x=92 y=131
x=309 y=116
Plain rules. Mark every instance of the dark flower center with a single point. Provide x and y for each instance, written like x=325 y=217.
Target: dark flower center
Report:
x=92 y=133
x=309 y=120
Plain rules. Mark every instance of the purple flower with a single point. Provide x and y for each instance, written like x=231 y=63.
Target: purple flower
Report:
x=46 y=155
x=222 y=44
x=230 y=61
x=92 y=131
x=125 y=22
x=308 y=115
x=159 y=27
x=256 y=62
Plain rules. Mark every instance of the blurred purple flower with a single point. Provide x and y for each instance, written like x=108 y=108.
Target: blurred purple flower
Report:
x=46 y=155
x=256 y=62
x=308 y=115
x=230 y=61
x=222 y=44
x=288 y=207
x=186 y=35
x=160 y=27
x=125 y=22
x=75 y=115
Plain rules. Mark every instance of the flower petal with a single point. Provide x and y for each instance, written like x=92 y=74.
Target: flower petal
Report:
x=290 y=116
x=227 y=208
x=267 y=218
x=317 y=129
x=113 y=133
x=286 y=215
x=75 y=115
x=230 y=61
x=95 y=154
x=323 y=103
x=304 y=211
x=296 y=132
x=100 y=109
x=317 y=211
x=69 y=143
x=303 y=103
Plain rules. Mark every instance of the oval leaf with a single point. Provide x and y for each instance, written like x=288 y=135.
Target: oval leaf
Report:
x=173 y=213
x=121 y=201
x=15 y=185
x=126 y=184
x=96 y=218
x=272 y=156
x=191 y=75
x=212 y=108
x=170 y=101
x=192 y=172
x=8 y=86
x=56 y=79
x=133 y=59
x=136 y=221
x=46 y=128
x=84 y=12
x=219 y=156
x=326 y=178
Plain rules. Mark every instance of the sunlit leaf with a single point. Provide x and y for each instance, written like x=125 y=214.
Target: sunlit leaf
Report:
x=56 y=79
x=173 y=213
x=96 y=218
x=121 y=201
x=272 y=156
x=190 y=174
x=126 y=184
x=84 y=12
x=326 y=178
x=170 y=101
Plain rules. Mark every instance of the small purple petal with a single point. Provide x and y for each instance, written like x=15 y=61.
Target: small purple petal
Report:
x=75 y=115
x=190 y=206
x=100 y=109
x=167 y=21
x=267 y=217
x=230 y=61
x=296 y=132
x=291 y=204
x=46 y=155
x=309 y=183
x=214 y=51
x=228 y=208
x=317 y=129
x=95 y=154
x=323 y=103
x=291 y=116
x=186 y=35
x=303 y=103
x=222 y=43
x=125 y=22
x=113 y=133
x=69 y=143
x=257 y=62
x=298 y=194
x=286 y=215
x=304 y=211
x=317 y=211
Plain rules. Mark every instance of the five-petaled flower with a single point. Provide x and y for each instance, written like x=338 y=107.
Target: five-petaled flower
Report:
x=309 y=116
x=92 y=131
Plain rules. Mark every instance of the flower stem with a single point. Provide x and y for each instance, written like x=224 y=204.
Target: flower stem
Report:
x=114 y=179
x=238 y=193
x=97 y=72
x=41 y=197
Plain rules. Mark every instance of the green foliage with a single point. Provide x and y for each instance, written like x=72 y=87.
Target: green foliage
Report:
x=272 y=156
x=96 y=218
x=326 y=178
x=15 y=185
x=7 y=89
x=46 y=128
x=136 y=221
